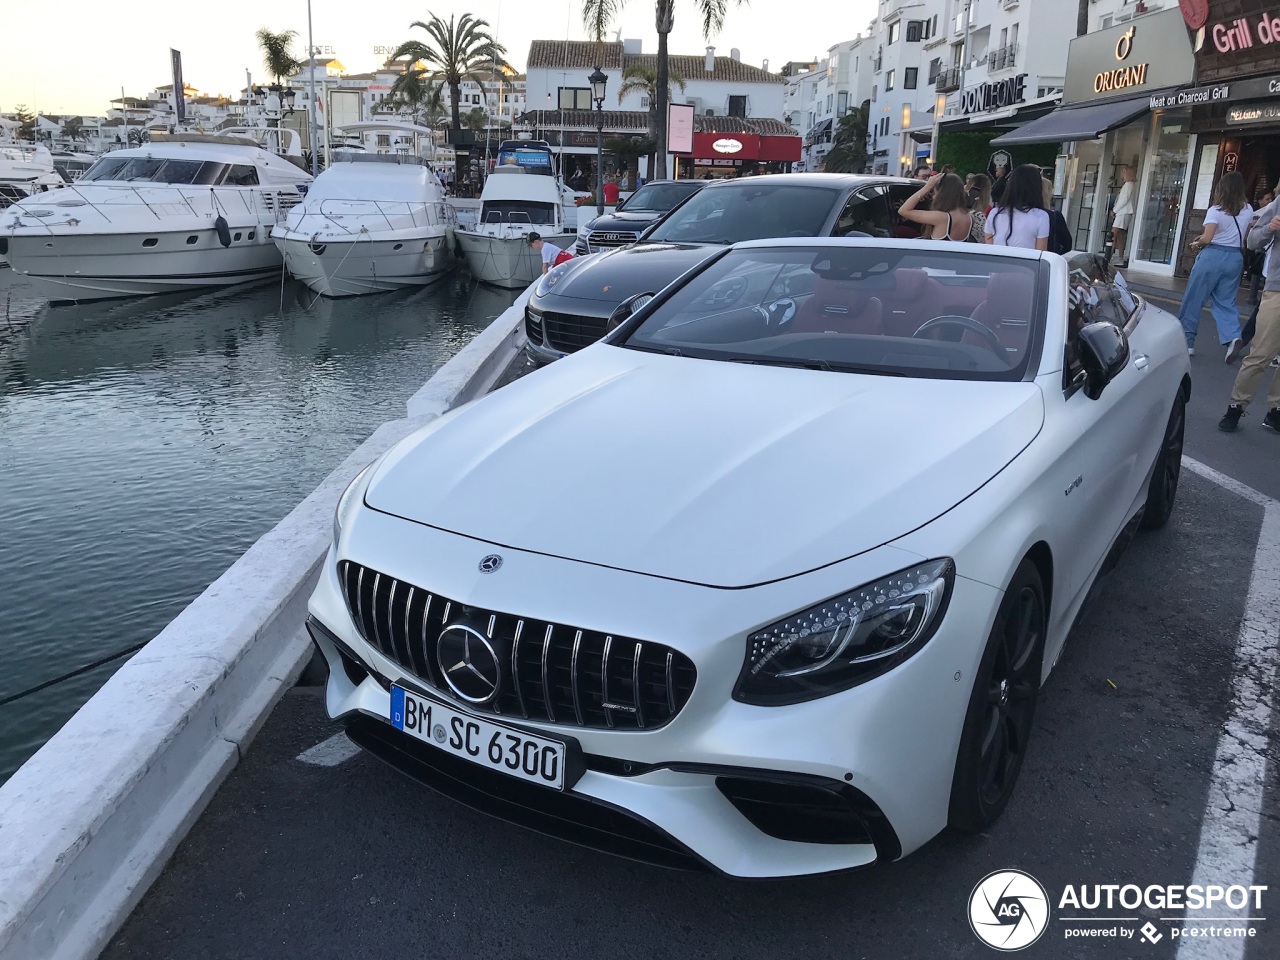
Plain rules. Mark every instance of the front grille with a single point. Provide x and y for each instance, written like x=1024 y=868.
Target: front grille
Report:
x=568 y=332
x=533 y=326
x=599 y=240
x=550 y=672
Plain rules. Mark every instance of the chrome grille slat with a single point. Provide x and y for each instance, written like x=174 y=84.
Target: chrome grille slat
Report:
x=635 y=687
x=573 y=676
x=559 y=673
x=604 y=681
x=546 y=686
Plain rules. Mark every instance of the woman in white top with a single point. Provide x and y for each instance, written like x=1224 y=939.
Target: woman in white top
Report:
x=1123 y=213
x=1020 y=219
x=948 y=216
x=1216 y=274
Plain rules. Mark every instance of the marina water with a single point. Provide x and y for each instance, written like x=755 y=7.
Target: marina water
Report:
x=146 y=444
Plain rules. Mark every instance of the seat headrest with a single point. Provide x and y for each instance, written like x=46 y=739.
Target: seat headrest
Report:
x=1011 y=294
x=909 y=282
x=843 y=294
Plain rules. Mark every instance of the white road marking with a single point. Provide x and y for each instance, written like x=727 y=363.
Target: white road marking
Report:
x=1233 y=815
x=329 y=753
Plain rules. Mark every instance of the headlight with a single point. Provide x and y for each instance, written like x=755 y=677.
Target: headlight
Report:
x=550 y=279
x=846 y=640
x=350 y=499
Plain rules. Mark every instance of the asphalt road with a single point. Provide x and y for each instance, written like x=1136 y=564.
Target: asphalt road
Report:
x=351 y=861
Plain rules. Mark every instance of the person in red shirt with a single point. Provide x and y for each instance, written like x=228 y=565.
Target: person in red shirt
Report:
x=610 y=189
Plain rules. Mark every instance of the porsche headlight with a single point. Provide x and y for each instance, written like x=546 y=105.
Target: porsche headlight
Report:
x=550 y=279
x=350 y=499
x=846 y=640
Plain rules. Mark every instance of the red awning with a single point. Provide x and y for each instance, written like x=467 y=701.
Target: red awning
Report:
x=744 y=146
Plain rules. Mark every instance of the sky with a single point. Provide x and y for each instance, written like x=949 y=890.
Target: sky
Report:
x=128 y=46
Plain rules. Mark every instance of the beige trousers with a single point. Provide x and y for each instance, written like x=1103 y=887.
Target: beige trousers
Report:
x=1265 y=346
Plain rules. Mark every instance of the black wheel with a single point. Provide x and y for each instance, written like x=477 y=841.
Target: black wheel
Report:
x=1163 y=489
x=1002 y=707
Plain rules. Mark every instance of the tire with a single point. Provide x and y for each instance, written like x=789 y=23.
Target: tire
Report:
x=1163 y=489
x=1002 y=706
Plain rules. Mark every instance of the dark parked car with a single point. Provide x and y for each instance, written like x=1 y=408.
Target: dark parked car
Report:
x=571 y=305
x=624 y=224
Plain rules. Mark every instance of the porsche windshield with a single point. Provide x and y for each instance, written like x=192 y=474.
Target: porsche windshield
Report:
x=891 y=311
x=747 y=210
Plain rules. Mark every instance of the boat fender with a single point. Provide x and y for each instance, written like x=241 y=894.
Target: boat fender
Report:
x=428 y=256
x=224 y=231
x=457 y=247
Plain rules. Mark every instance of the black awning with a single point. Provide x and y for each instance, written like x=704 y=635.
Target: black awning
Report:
x=818 y=130
x=921 y=136
x=1084 y=122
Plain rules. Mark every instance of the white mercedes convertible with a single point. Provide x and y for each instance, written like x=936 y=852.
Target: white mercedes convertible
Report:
x=769 y=579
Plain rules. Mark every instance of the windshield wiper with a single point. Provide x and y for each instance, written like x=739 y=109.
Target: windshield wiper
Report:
x=816 y=364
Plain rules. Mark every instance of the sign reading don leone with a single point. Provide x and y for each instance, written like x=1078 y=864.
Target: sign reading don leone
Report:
x=1145 y=54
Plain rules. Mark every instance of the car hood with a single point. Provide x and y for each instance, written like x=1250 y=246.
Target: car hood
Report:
x=624 y=220
x=613 y=276
x=713 y=473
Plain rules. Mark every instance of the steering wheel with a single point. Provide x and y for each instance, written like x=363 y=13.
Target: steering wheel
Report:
x=778 y=312
x=725 y=293
x=799 y=233
x=989 y=339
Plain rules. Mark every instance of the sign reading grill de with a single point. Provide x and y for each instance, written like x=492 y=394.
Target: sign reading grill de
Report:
x=1239 y=38
x=993 y=96
x=1137 y=57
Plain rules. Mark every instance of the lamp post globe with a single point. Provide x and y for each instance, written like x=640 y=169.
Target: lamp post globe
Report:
x=598 y=80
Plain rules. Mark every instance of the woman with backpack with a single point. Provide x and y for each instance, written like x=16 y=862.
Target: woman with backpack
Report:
x=1215 y=277
x=1019 y=218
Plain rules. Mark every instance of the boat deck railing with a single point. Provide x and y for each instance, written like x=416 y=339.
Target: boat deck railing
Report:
x=397 y=214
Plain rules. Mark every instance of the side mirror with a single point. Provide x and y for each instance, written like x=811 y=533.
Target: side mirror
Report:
x=626 y=310
x=1103 y=350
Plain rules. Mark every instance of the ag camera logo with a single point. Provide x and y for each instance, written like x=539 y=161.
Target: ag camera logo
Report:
x=1008 y=910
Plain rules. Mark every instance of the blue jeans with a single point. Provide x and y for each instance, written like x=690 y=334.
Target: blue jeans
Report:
x=1215 y=277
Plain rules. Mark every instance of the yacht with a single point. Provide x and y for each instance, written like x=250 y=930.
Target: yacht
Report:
x=185 y=211
x=371 y=222
x=521 y=195
x=25 y=168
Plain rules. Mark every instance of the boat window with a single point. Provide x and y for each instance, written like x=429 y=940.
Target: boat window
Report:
x=242 y=175
x=517 y=211
x=211 y=173
x=159 y=170
x=106 y=168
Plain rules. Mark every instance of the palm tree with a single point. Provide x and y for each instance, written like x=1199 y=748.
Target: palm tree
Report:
x=1082 y=18
x=849 y=148
x=642 y=78
x=276 y=56
x=72 y=130
x=475 y=119
x=459 y=49
x=598 y=16
x=417 y=91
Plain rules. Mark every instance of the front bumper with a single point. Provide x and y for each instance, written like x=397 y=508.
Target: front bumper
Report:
x=832 y=784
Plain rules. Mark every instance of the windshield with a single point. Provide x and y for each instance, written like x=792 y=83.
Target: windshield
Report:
x=896 y=312
x=749 y=211
x=155 y=170
x=659 y=197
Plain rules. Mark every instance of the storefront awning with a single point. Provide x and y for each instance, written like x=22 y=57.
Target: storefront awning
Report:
x=818 y=130
x=1068 y=124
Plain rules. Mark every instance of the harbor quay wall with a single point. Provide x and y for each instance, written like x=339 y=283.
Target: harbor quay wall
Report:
x=91 y=819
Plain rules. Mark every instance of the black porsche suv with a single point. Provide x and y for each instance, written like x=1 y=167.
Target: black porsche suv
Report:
x=571 y=305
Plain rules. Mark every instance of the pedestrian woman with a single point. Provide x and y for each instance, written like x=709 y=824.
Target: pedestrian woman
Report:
x=948 y=216
x=979 y=202
x=1019 y=218
x=1122 y=214
x=1219 y=264
x=1266 y=341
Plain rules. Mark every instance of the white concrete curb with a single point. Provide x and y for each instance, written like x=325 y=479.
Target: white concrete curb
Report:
x=88 y=822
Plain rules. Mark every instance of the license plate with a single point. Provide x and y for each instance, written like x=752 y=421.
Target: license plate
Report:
x=483 y=742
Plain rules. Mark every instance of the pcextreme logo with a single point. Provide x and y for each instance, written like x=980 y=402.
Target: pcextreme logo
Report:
x=1009 y=910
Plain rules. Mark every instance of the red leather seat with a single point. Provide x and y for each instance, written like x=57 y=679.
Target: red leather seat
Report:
x=1007 y=312
x=839 y=307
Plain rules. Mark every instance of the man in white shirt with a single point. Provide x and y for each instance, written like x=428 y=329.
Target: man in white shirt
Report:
x=550 y=254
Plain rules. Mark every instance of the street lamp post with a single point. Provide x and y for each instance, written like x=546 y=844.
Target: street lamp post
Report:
x=598 y=80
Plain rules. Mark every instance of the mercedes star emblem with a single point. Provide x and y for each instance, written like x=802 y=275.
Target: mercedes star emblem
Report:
x=490 y=563
x=469 y=663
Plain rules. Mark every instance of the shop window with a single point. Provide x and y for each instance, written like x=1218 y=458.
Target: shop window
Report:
x=909 y=78
x=575 y=98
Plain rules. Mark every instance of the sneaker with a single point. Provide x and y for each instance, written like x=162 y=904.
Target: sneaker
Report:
x=1234 y=349
x=1230 y=421
x=1191 y=352
x=1272 y=420
x=1275 y=362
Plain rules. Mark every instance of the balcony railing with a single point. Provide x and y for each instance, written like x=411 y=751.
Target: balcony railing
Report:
x=1003 y=58
x=948 y=80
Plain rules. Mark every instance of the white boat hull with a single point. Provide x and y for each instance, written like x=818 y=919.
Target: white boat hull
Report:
x=505 y=259
x=98 y=267
x=350 y=268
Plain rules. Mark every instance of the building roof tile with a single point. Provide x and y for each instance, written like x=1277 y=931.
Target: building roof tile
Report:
x=638 y=120
x=586 y=55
